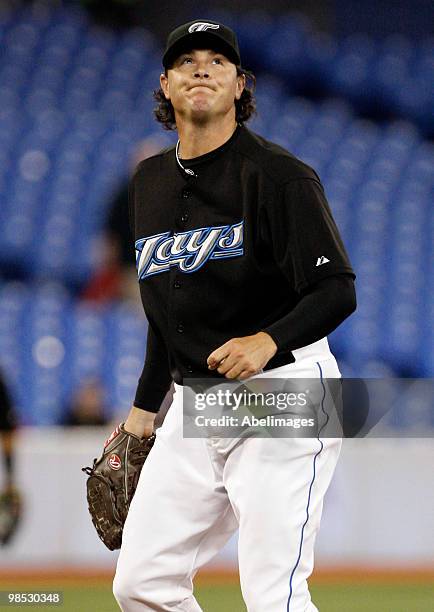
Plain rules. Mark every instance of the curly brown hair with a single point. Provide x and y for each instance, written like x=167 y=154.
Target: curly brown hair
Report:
x=245 y=107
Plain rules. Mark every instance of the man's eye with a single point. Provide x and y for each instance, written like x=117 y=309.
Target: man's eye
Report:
x=186 y=60
x=218 y=60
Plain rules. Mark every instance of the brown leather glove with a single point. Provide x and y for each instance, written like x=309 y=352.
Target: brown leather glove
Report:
x=112 y=483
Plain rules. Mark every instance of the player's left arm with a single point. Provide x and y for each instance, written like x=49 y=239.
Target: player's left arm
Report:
x=322 y=308
x=309 y=251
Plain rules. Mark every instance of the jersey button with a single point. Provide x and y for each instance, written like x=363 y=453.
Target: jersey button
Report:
x=186 y=193
x=177 y=284
x=180 y=328
x=184 y=217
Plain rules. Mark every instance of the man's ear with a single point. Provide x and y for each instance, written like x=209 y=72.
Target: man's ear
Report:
x=164 y=84
x=241 y=84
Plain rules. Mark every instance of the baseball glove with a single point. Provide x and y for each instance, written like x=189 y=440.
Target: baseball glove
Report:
x=112 y=483
x=10 y=514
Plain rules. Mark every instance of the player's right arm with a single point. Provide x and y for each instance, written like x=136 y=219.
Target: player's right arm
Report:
x=155 y=378
x=153 y=385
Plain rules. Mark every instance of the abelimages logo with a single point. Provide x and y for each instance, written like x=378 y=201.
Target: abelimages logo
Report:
x=270 y=420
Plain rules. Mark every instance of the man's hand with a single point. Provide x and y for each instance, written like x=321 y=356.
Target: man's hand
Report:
x=140 y=422
x=241 y=358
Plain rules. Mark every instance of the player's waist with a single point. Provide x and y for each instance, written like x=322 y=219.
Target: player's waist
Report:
x=317 y=351
x=311 y=353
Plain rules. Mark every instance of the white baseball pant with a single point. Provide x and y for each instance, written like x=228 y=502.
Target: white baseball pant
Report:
x=194 y=493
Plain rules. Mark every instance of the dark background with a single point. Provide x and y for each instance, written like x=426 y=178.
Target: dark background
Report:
x=339 y=17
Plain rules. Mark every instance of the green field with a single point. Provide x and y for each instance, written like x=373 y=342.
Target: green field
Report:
x=393 y=597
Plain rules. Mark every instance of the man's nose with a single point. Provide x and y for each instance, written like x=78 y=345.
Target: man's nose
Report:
x=201 y=73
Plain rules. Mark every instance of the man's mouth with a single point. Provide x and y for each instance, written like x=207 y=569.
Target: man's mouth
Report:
x=200 y=85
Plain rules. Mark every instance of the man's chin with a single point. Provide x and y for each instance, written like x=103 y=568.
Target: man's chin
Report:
x=200 y=106
x=201 y=114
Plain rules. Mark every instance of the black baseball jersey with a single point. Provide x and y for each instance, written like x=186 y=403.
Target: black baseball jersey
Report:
x=224 y=248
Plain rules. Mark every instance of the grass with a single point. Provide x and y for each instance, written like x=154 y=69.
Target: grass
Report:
x=226 y=597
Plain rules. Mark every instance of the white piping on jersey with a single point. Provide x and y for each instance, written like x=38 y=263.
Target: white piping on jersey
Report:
x=186 y=170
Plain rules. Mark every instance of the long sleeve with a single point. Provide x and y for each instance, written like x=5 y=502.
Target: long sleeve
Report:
x=321 y=309
x=305 y=240
x=155 y=379
x=308 y=249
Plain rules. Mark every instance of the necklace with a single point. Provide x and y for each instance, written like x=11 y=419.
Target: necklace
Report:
x=186 y=170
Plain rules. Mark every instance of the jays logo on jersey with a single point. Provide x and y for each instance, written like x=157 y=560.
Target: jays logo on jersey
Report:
x=189 y=251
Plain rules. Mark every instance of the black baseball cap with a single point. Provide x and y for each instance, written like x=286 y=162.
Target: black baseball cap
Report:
x=201 y=34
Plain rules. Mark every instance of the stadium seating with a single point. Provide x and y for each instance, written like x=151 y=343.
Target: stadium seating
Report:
x=392 y=76
x=50 y=343
x=74 y=101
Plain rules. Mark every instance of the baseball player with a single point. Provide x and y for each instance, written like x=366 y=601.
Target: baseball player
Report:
x=242 y=274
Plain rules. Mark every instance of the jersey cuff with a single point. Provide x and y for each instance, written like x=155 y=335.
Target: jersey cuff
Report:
x=149 y=399
x=273 y=333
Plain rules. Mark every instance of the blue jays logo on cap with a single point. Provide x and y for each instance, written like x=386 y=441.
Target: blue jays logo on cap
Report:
x=202 y=26
x=201 y=35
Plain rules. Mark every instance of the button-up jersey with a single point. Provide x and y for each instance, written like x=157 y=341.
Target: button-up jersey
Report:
x=224 y=250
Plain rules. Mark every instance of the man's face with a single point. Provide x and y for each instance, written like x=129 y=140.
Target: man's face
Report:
x=202 y=84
